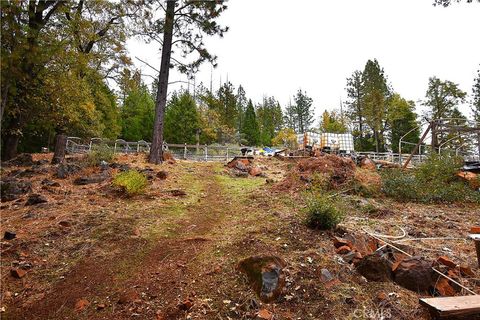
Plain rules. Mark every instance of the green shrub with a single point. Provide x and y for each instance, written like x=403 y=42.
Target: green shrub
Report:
x=131 y=182
x=322 y=213
x=434 y=181
x=98 y=154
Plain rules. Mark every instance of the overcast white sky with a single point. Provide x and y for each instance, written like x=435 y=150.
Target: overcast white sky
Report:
x=275 y=47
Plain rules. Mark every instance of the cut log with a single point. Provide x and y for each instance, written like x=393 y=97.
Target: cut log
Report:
x=444 y=307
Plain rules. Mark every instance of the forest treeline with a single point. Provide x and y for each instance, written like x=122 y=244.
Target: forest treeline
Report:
x=66 y=70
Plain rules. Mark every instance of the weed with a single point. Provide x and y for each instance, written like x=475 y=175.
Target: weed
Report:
x=98 y=154
x=131 y=182
x=322 y=213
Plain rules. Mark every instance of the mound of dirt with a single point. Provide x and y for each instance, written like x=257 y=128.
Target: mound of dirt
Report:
x=336 y=170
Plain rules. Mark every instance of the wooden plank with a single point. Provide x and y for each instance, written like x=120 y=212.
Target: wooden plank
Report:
x=452 y=306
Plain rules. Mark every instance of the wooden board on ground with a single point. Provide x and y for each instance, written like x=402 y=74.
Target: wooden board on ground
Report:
x=452 y=306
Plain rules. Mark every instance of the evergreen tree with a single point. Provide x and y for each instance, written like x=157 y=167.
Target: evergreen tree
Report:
x=441 y=98
x=137 y=115
x=250 y=127
x=375 y=99
x=270 y=119
x=355 y=111
x=290 y=117
x=181 y=120
x=241 y=100
x=227 y=105
x=402 y=119
x=304 y=112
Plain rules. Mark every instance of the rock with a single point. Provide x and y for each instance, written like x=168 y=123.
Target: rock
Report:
x=265 y=274
x=34 y=199
x=352 y=257
x=374 y=267
x=265 y=314
x=120 y=166
x=269 y=181
x=162 y=175
x=475 y=229
x=64 y=224
x=65 y=170
x=466 y=271
x=50 y=183
x=343 y=250
x=255 y=171
x=149 y=173
x=18 y=273
x=178 y=193
x=13 y=189
x=9 y=235
x=22 y=160
x=444 y=288
x=186 y=304
x=446 y=261
x=382 y=296
x=94 y=178
x=241 y=166
x=415 y=274
x=81 y=304
x=101 y=306
x=325 y=275
x=340 y=242
x=368 y=164
x=129 y=296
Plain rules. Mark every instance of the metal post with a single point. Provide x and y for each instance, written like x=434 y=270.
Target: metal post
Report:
x=185 y=152
x=115 y=147
x=138 y=147
x=206 y=153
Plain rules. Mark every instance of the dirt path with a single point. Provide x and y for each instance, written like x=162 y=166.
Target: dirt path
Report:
x=149 y=278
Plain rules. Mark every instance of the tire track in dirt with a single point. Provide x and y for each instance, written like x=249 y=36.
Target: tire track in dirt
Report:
x=157 y=281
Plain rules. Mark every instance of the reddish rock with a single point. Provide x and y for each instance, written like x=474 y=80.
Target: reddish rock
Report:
x=340 y=242
x=101 y=306
x=446 y=261
x=264 y=314
x=129 y=296
x=382 y=296
x=81 y=304
x=343 y=250
x=18 y=273
x=415 y=274
x=444 y=288
x=167 y=156
x=186 y=304
x=374 y=268
x=265 y=274
x=255 y=171
x=466 y=271
x=475 y=230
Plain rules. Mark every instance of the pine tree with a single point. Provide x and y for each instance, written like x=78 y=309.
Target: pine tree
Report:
x=270 y=119
x=241 y=100
x=250 y=127
x=476 y=97
x=137 y=115
x=290 y=117
x=375 y=99
x=304 y=112
x=181 y=120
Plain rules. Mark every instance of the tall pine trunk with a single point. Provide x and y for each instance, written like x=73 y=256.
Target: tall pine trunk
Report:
x=156 y=151
x=60 y=146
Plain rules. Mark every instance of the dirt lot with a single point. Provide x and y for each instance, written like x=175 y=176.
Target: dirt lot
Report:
x=91 y=253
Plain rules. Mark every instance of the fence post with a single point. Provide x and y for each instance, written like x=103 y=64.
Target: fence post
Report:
x=185 y=152
x=206 y=153
x=115 y=147
x=138 y=147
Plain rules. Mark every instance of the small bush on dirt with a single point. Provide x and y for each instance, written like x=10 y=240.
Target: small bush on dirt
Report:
x=322 y=213
x=131 y=182
x=99 y=154
x=433 y=181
